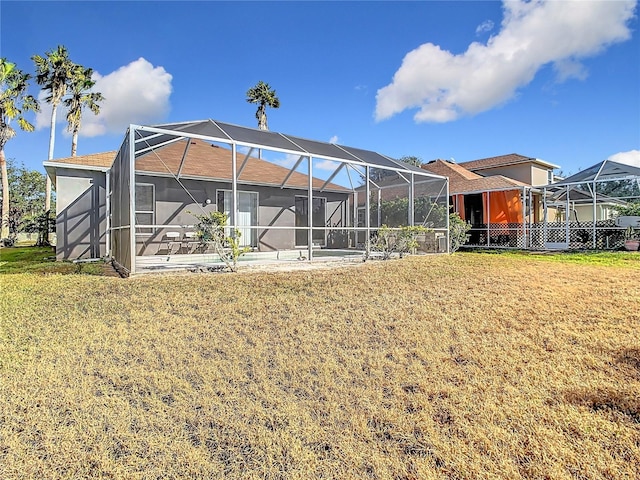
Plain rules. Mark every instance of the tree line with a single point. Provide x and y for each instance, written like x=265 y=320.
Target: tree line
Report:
x=63 y=81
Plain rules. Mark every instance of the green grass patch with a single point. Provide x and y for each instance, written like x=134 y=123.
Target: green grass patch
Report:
x=587 y=257
x=41 y=260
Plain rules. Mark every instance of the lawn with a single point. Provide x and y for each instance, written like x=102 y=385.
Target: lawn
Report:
x=434 y=367
x=41 y=260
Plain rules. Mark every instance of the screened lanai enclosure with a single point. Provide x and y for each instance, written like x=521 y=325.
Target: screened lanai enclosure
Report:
x=582 y=212
x=593 y=209
x=286 y=198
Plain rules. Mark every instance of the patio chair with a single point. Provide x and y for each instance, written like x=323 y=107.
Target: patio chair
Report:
x=191 y=243
x=171 y=241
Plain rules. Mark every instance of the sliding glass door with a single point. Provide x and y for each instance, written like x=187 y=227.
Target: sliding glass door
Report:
x=247 y=214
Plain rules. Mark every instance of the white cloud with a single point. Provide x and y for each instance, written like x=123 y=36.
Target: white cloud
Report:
x=569 y=68
x=43 y=117
x=135 y=93
x=444 y=86
x=326 y=165
x=632 y=157
x=289 y=160
x=485 y=26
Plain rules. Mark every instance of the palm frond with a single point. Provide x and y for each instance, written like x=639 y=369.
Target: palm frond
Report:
x=14 y=100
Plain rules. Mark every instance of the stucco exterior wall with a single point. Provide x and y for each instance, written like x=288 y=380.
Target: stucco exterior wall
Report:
x=539 y=176
x=526 y=172
x=80 y=214
x=276 y=207
x=520 y=172
x=585 y=212
x=81 y=221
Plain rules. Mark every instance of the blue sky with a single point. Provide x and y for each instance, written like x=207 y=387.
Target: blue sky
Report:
x=462 y=80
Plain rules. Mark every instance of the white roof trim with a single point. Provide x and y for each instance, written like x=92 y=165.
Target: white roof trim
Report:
x=75 y=166
x=528 y=160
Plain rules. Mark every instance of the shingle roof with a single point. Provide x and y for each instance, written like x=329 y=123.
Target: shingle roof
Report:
x=204 y=160
x=502 y=161
x=102 y=160
x=462 y=180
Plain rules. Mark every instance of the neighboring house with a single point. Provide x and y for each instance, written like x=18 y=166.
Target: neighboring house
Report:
x=497 y=207
x=528 y=170
x=581 y=206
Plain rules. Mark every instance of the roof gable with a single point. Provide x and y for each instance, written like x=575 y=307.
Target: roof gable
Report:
x=451 y=170
x=503 y=161
x=462 y=180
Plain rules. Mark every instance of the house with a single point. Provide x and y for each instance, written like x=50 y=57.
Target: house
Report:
x=582 y=209
x=166 y=205
x=496 y=206
x=528 y=170
x=281 y=192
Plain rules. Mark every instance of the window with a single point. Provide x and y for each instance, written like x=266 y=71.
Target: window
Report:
x=362 y=215
x=145 y=208
x=247 y=214
x=319 y=220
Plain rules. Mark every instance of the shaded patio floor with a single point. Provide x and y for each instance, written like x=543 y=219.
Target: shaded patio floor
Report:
x=199 y=262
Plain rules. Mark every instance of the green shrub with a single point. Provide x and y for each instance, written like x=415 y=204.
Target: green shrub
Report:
x=458 y=229
x=401 y=241
x=631 y=209
x=210 y=230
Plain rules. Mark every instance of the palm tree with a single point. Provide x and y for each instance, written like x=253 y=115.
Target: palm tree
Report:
x=14 y=102
x=53 y=73
x=81 y=97
x=264 y=96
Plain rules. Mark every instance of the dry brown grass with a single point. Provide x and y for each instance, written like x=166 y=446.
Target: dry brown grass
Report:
x=468 y=366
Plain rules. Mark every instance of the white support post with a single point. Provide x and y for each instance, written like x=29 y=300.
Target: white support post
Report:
x=379 y=207
x=447 y=217
x=310 y=211
x=234 y=189
x=245 y=161
x=411 y=200
x=332 y=176
x=545 y=218
x=367 y=210
x=132 y=199
x=532 y=214
x=293 y=169
x=595 y=214
x=524 y=216
x=567 y=216
x=184 y=158
x=488 y=219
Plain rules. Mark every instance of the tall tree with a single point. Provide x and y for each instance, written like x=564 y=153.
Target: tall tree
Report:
x=411 y=160
x=264 y=96
x=14 y=102
x=27 y=195
x=81 y=97
x=53 y=73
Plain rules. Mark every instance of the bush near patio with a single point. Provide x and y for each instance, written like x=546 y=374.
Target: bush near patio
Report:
x=463 y=366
